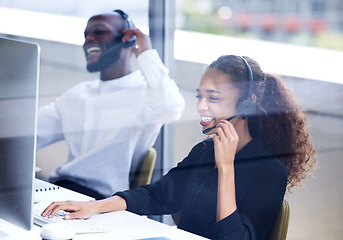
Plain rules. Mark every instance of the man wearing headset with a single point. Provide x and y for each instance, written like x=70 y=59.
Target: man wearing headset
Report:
x=110 y=123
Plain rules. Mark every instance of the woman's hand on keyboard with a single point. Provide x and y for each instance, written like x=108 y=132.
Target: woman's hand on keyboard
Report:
x=75 y=209
x=84 y=210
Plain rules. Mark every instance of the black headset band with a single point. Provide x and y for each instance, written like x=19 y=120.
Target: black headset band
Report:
x=125 y=16
x=250 y=77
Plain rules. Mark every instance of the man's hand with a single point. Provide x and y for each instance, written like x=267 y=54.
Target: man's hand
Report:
x=143 y=41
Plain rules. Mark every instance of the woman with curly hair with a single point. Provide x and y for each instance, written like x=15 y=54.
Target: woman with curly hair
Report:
x=230 y=186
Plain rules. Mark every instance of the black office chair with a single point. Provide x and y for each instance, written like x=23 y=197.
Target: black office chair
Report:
x=143 y=176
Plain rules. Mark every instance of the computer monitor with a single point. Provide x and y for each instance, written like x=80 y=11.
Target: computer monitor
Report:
x=19 y=71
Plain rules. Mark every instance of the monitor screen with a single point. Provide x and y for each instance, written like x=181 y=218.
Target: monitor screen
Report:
x=19 y=70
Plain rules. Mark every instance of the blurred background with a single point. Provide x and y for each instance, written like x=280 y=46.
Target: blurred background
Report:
x=300 y=40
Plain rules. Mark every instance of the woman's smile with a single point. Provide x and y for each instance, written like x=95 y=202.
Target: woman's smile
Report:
x=206 y=120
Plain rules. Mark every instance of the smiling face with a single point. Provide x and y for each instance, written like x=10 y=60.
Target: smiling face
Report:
x=217 y=98
x=102 y=32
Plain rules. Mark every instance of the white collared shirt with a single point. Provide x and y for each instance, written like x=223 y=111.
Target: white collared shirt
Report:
x=109 y=125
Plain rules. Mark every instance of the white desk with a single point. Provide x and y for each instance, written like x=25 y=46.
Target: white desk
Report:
x=122 y=225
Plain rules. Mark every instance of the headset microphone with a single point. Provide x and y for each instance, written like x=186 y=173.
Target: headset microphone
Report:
x=109 y=51
x=209 y=129
x=245 y=106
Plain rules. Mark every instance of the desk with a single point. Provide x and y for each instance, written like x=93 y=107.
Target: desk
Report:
x=122 y=225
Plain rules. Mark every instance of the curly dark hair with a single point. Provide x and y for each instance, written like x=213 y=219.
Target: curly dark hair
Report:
x=279 y=119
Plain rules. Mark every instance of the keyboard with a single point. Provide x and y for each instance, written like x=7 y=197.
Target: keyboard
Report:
x=79 y=225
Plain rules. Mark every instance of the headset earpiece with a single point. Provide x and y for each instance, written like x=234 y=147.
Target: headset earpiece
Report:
x=130 y=42
x=245 y=107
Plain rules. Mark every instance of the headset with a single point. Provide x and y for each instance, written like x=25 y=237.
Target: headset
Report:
x=127 y=44
x=125 y=16
x=245 y=106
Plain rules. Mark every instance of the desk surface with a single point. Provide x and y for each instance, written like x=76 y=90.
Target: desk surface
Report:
x=122 y=225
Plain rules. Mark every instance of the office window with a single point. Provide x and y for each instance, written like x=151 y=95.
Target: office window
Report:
x=302 y=41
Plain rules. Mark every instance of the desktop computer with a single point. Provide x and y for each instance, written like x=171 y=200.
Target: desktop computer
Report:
x=19 y=71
